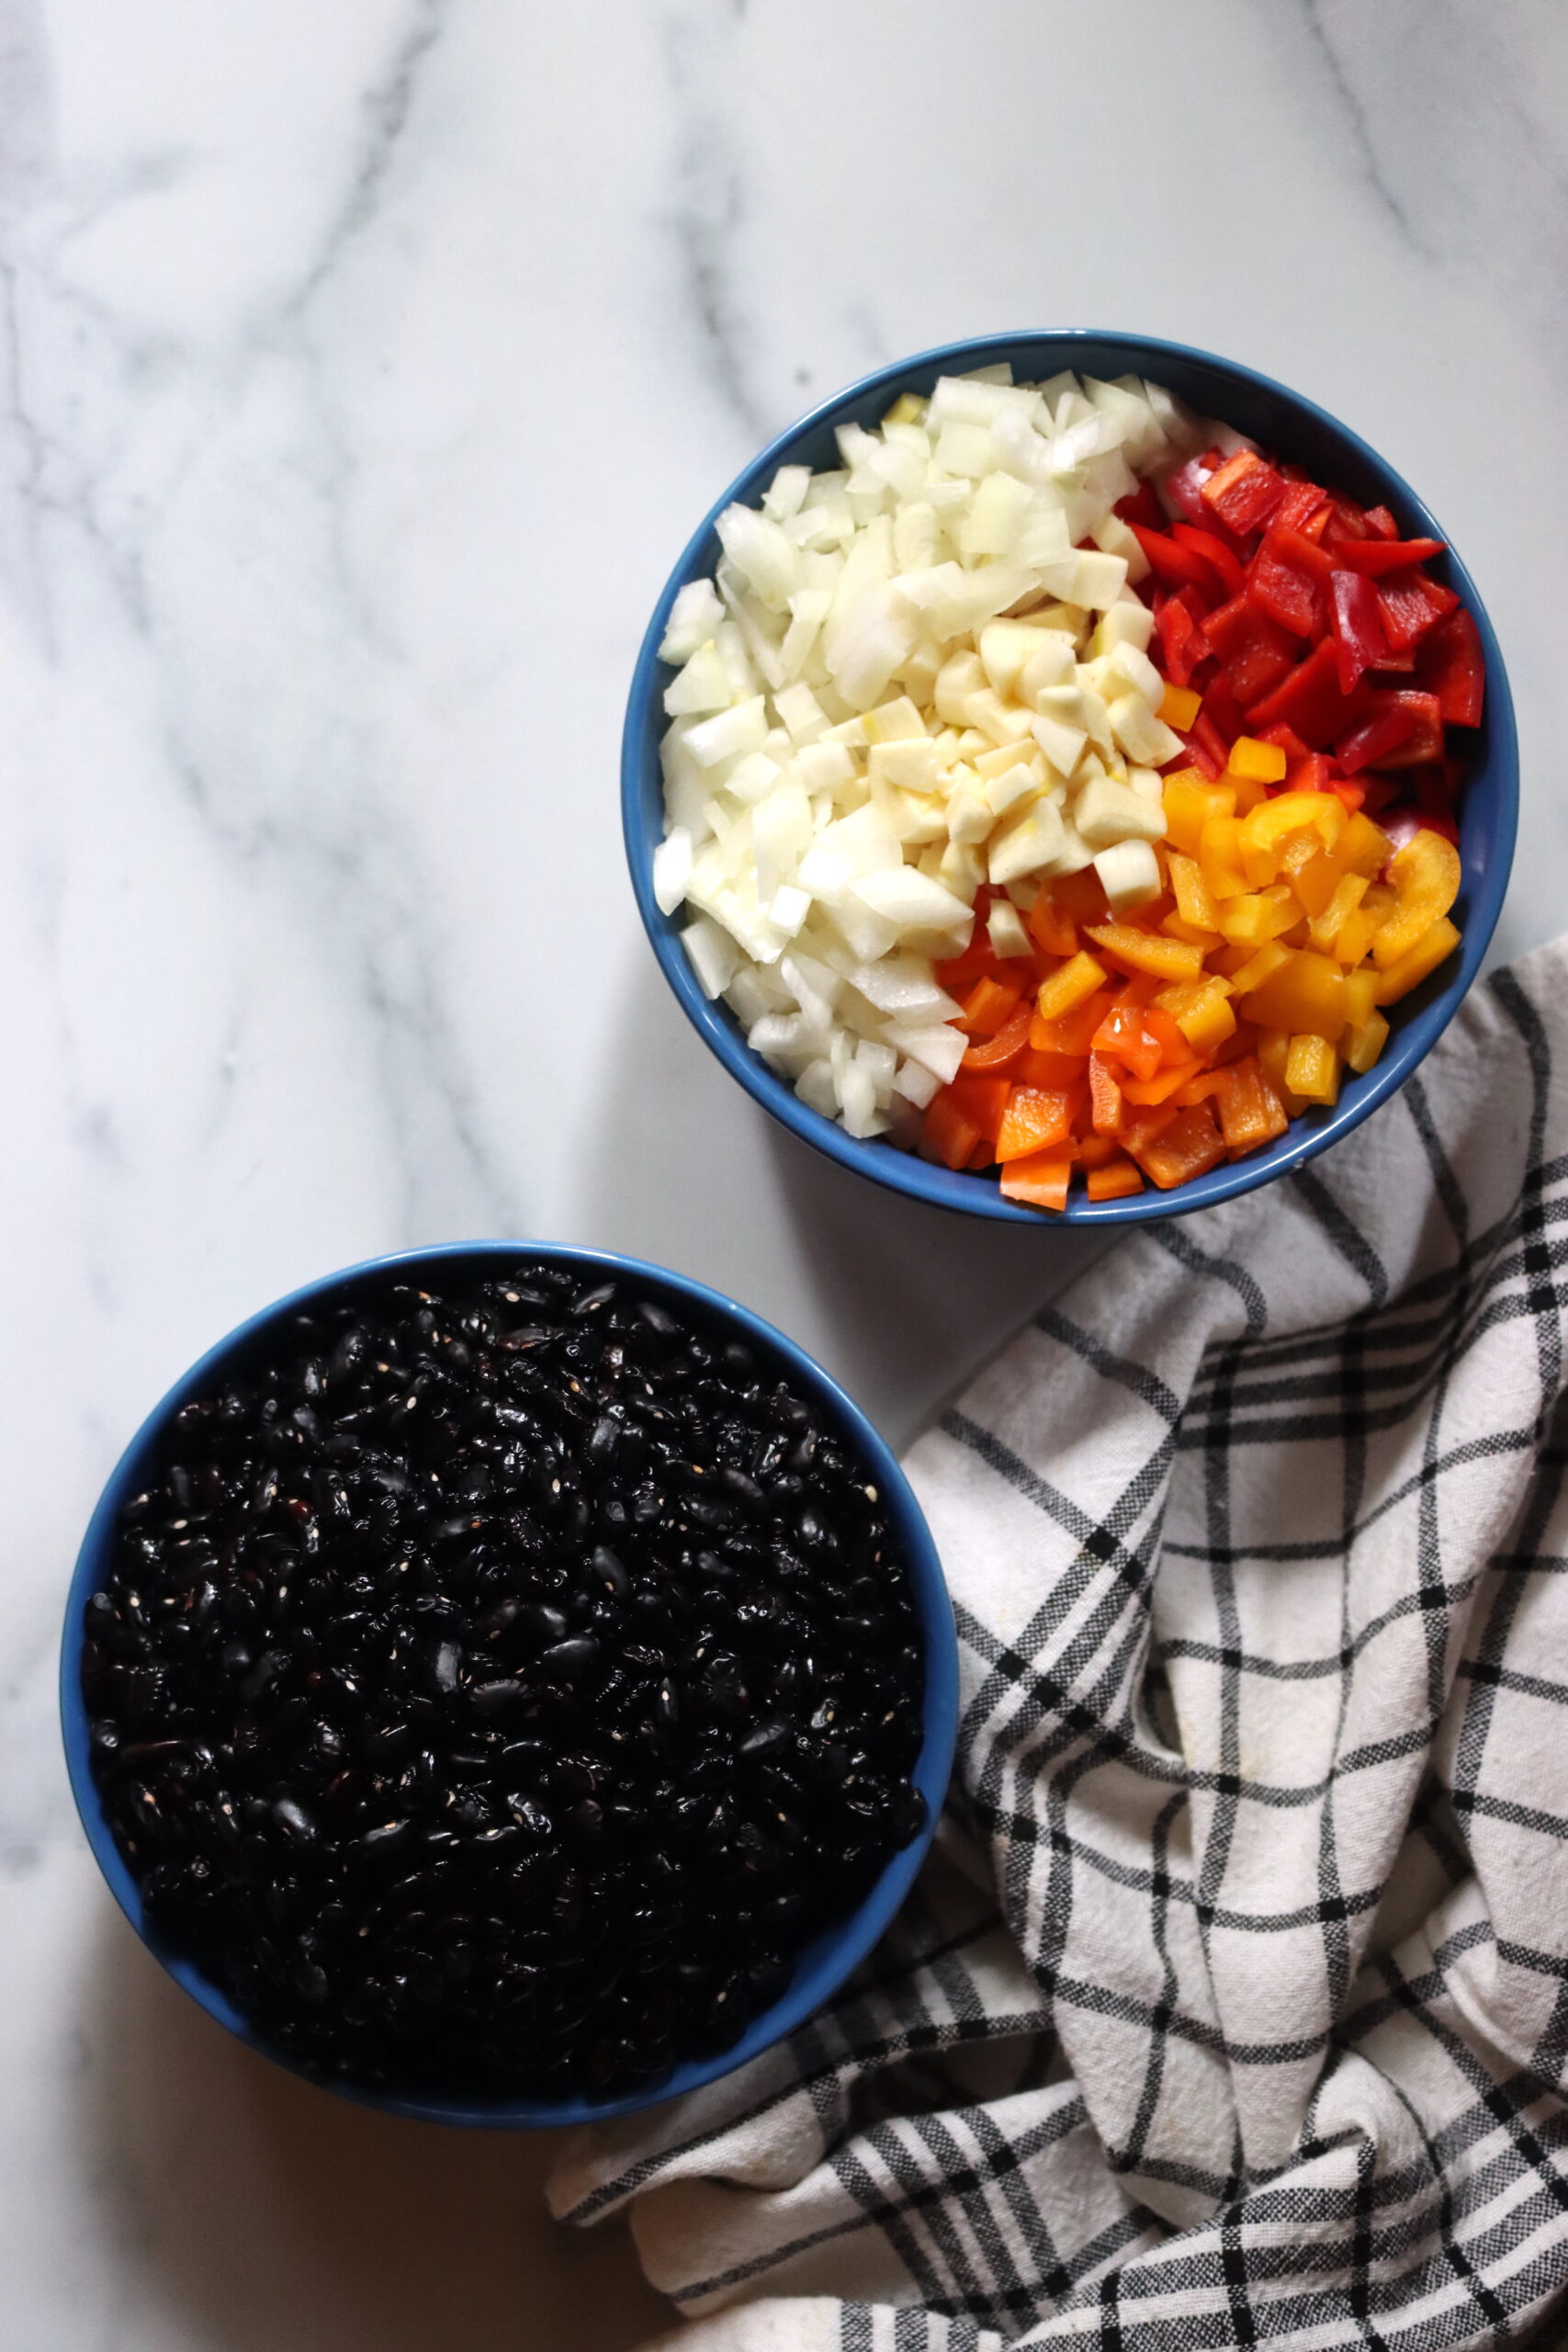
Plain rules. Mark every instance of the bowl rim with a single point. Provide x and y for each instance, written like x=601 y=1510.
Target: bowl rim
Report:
x=960 y=1191
x=828 y=1959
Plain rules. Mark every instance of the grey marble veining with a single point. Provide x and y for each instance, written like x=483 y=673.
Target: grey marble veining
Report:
x=362 y=371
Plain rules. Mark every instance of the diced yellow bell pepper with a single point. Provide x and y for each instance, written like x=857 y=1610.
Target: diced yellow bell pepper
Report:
x=1305 y=994
x=1312 y=1068
x=1259 y=968
x=1175 y=927
x=1073 y=985
x=1190 y=800
x=1260 y=916
x=1425 y=879
x=1192 y=900
x=1354 y=937
x=1314 y=873
x=1202 y=1010
x=1270 y=826
x=1361 y=997
x=1248 y=793
x=1144 y=951
x=1264 y=762
x=1274 y=1052
x=1362 y=1044
x=1365 y=847
x=1349 y=892
x=1413 y=966
x=1219 y=854
x=1179 y=707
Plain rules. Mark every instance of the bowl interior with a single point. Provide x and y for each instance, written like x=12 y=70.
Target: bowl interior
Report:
x=1297 y=430
x=828 y=1959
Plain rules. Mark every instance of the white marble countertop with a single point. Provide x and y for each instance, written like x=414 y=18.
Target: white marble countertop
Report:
x=363 y=367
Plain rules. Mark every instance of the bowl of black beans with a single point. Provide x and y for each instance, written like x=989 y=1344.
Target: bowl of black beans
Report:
x=509 y=1684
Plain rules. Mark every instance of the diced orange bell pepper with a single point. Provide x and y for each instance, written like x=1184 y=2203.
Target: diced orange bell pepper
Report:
x=1051 y=927
x=1142 y=1124
x=1081 y=895
x=1053 y=1072
x=1202 y=1012
x=1001 y=1051
x=1041 y=1178
x=1147 y=951
x=947 y=1133
x=1074 y=1032
x=1073 y=985
x=1363 y=1044
x=1251 y=1114
x=1114 y=1181
x=984 y=1100
x=1125 y=1036
x=1036 y=1117
x=1307 y=993
x=1147 y=1093
x=1189 y=1147
x=989 y=1007
x=1104 y=1094
x=1189 y=803
x=1193 y=902
x=1432 y=948
x=1311 y=1070
x=1425 y=877
x=1096 y=1151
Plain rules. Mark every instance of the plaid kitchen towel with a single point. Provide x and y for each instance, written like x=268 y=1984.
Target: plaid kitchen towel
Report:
x=1233 y=2005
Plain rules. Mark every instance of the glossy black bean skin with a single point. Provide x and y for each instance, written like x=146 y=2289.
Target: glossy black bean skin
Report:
x=499 y=1683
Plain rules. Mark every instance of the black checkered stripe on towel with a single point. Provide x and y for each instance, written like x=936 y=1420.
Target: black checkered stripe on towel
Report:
x=1233 y=2008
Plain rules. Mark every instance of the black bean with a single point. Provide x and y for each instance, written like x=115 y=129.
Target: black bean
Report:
x=451 y=1686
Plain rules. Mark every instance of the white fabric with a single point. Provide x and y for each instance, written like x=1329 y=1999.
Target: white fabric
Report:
x=1232 y=2005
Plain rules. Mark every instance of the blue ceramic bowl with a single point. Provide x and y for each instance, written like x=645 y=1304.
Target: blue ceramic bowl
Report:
x=825 y=1962
x=1298 y=430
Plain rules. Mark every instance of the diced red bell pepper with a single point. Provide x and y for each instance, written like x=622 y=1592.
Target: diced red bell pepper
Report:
x=1450 y=664
x=1243 y=493
x=1210 y=750
x=1178 y=566
x=1359 y=636
x=1230 y=576
x=1223 y=711
x=1412 y=604
x=1312 y=701
x=1184 y=487
x=983 y=1101
x=1401 y=730
x=1381 y=522
x=1141 y=505
x=1345 y=521
x=1256 y=653
x=1284 y=589
x=1182 y=642
x=1301 y=501
x=1377 y=557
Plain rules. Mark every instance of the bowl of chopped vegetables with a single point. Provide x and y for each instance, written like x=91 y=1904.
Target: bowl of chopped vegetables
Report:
x=1069 y=773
